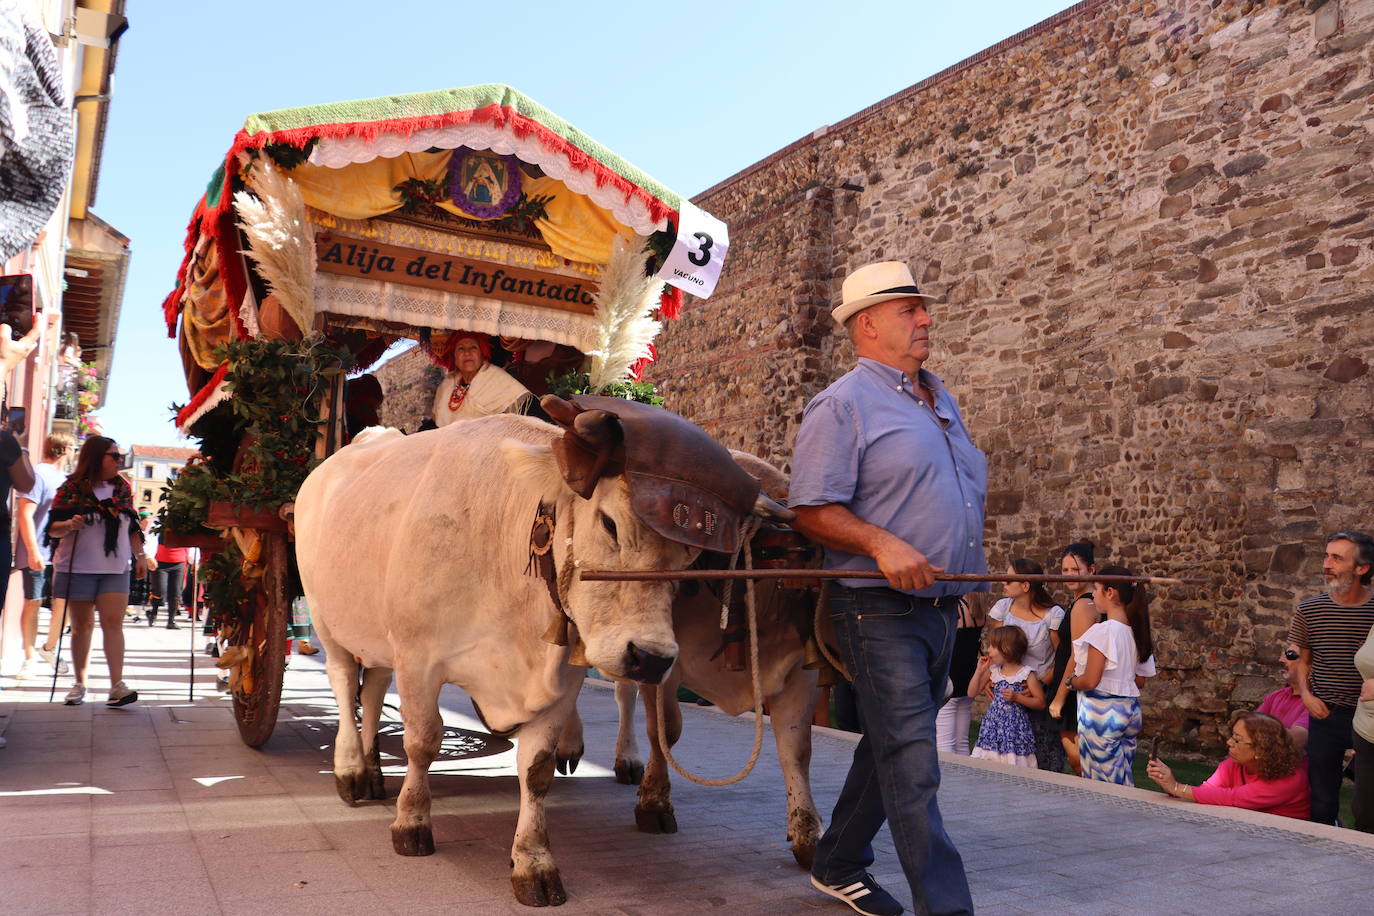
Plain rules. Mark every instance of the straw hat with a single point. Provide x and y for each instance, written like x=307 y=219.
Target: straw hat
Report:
x=874 y=283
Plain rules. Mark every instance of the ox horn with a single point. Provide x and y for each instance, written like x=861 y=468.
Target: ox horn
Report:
x=767 y=507
x=563 y=412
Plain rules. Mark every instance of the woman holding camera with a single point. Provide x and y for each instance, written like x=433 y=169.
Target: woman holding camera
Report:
x=93 y=514
x=1263 y=771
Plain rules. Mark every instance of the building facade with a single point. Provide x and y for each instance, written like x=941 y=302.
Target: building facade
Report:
x=70 y=272
x=151 y=468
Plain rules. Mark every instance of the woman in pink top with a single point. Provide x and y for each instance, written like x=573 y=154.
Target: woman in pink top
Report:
x=1264 y=772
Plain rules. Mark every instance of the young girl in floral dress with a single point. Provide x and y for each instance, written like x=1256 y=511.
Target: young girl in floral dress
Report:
x=1006 y=734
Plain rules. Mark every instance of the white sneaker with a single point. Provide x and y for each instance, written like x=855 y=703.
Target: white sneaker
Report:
x=51 y=658
x=121 y=695
x=76 y=696
x=29 y=670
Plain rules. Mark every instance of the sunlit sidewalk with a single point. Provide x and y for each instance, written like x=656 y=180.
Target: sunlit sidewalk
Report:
x=158 y=808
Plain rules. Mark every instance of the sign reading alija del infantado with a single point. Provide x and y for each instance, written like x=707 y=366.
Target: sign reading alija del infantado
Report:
x=373 y=261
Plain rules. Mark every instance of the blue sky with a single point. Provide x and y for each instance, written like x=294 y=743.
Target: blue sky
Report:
x=691 y=93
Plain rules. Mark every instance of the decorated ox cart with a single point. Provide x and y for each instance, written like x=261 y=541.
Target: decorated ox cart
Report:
x=331 y=234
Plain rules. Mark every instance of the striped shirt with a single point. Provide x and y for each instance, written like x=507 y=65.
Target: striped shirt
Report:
x=1333 y=633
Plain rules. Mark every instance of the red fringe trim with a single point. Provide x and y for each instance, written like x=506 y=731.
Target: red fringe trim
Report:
x=203 y=394
x=171 y=306
x=496 y=115
x=637 y=370
x=231 y=268
x=670 y=303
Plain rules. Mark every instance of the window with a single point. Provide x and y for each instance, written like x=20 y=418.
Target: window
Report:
x=173 y=472
x=147 y=496
x=147 y=470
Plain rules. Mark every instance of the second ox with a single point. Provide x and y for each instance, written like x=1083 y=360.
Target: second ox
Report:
x=790 y=689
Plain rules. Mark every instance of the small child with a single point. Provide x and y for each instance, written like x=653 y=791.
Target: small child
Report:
x=1006 y=735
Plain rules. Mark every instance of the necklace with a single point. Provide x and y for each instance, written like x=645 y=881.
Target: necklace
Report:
x=458 y=394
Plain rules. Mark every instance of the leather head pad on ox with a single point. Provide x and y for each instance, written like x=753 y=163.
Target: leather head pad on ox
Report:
x=683 y=484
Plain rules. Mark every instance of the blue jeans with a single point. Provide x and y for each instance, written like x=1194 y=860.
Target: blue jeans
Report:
x=897 y=649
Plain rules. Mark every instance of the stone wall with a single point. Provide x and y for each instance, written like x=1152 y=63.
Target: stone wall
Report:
x=408 y=383
x=1148 y=223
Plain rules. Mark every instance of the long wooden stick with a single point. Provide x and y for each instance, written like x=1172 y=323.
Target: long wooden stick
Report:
x=660 y=575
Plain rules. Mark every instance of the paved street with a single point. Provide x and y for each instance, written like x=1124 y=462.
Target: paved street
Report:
x=158 y=808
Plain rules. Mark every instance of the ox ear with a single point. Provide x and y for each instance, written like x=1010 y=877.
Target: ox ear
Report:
x=537 y=467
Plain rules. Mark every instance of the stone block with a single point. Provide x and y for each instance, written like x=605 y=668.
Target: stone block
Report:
x=1172 y=207
x=1346 y=368
x=1162 y=133
x=1286 y=559
x=1332 y=80
x=1279 y=102
x=1157 y=389
x=1342 y=255
x=1327 y=21
x=1244 y=165
x=1186 y=178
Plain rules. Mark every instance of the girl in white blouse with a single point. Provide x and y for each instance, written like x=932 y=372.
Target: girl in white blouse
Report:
x=1111 y=661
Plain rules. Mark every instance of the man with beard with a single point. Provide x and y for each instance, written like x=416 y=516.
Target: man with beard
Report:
x=1328 y=630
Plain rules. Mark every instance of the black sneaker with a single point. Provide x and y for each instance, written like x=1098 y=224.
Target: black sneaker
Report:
x=121 y=695
x=863 y=894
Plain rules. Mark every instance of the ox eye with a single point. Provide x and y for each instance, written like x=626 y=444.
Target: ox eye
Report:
x=609 y=524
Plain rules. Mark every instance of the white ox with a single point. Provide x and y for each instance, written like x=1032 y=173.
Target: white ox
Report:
x=784 y=617
x=414 y=554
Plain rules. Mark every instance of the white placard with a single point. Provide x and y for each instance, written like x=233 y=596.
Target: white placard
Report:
x=698 y=253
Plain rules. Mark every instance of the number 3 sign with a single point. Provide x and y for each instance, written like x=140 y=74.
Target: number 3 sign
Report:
x=698 y=253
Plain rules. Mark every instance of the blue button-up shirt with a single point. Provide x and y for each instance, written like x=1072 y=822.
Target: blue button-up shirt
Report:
x=870 y=443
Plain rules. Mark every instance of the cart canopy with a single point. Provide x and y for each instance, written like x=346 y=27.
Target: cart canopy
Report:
x=463 y=209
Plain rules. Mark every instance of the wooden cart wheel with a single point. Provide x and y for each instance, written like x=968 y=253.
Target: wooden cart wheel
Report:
x=256 y=710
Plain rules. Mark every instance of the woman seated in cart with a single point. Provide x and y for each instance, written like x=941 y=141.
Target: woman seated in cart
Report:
x=476 y=388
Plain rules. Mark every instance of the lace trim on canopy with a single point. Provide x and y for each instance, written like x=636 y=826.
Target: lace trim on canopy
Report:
x=436 y=308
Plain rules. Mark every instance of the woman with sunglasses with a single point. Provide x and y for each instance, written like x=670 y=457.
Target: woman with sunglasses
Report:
x=93 y=514
x=1263 y=771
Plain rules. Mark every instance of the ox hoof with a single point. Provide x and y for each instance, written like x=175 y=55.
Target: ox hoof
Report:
x=376 y=783
x=412 y=841
x=628 y=772
x=541 y=887
x=567 y=763
x=352 y=787
x=804 y=832
x=655 y=820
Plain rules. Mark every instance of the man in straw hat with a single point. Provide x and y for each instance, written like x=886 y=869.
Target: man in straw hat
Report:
x=886 y=477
